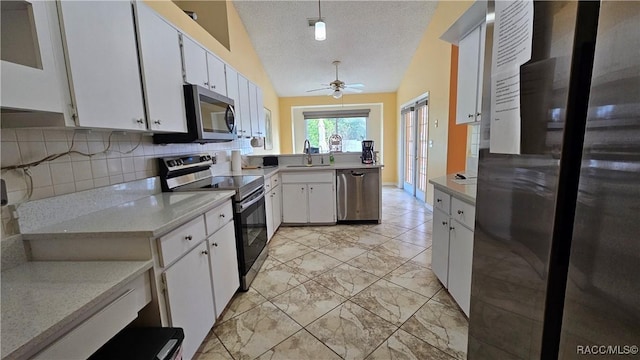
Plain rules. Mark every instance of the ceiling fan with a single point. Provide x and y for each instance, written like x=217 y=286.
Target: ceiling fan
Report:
x=338 y=86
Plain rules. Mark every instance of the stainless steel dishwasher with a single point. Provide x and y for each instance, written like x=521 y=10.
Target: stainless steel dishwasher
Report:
x=358 y=194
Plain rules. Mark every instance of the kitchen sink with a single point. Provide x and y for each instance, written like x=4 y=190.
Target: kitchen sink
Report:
x=314 y=165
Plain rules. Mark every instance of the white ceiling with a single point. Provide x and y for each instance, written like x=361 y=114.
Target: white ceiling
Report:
x=374 y=40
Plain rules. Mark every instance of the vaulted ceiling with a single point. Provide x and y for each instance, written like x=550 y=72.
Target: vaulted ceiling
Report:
x=374 y=40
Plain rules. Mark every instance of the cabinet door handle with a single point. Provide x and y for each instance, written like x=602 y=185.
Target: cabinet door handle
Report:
x=222 y=216
x=470 y=116
x=302 y=188
x=438 y=200
x=214 y=86
x=157 y=122
x=140 y=121
x=445 y=223
x=206 y=83
x=205 y=252
x=451 y=228
x=188 y=237
x=478 y=114
x=460 y=212
x=214 y=244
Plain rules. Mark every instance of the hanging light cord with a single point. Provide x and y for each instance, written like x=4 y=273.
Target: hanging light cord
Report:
x=319 y=11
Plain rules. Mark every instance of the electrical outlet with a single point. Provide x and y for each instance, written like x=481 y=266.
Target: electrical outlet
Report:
x=430 y=143
x=435 y=123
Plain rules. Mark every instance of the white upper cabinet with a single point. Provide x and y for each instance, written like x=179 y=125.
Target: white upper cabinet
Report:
x=33 y=69
x=470 y=66
x=253 y=109
x=195 y=63
x=162 y=72
x=202 y=67
x=232 y=93
x=244 y=106
x=217 y=78
x=260 y=109
x=102 y=57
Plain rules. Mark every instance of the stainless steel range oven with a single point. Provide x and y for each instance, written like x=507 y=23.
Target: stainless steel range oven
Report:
x=192 y=173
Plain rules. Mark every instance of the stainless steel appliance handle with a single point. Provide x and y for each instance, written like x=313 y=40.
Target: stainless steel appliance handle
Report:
x=254 y=199
x=353 y=173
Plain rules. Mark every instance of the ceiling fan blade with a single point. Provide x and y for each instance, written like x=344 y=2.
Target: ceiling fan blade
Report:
x=326 y=88
x=349 y=89
x=356 y=85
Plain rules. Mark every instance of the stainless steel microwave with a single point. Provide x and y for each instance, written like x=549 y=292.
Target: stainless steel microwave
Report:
x=210 y=118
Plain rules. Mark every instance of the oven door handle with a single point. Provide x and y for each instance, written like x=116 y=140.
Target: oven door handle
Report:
x=254 y=199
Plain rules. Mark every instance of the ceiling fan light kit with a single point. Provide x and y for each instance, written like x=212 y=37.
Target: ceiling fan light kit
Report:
x=320 y=26
x=337 y=94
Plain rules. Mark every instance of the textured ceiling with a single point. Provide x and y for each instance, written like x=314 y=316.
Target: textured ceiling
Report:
x=374 y=40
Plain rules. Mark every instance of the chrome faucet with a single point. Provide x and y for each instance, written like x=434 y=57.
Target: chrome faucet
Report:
x=307 y=150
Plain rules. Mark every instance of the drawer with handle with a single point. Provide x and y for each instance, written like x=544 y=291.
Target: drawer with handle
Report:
x=275 y=181
x=181 y=240
x=441 y=200
x=218 y=217
x=464 y=212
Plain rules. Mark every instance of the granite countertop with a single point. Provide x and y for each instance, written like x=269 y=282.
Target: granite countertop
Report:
x=40 y=298
x=150 y=216
x=270 y=170
x=462 y=192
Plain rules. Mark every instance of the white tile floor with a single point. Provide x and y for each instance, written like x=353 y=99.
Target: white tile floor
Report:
x=346 y=292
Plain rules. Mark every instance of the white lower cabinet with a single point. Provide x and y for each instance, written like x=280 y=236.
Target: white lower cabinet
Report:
x=224 y=266
x=273 y=205
x=294 y=203
x=309 y=197
x=322 y=203
x=190 y=297
x=440 y=246
x=461 y=250
x=452 y=248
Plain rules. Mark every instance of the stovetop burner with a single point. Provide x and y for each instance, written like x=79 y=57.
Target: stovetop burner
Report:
x=232 y=182
x=192 y=173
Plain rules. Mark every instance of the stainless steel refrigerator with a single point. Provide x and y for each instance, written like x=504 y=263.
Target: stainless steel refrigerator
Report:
x=556 y=258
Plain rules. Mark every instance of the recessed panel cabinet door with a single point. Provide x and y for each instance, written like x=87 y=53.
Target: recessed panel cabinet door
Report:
x=33 y=73
x=190 y=297
x=162 y=69
x=294 y=203
x=102 y=55
x=224 y=266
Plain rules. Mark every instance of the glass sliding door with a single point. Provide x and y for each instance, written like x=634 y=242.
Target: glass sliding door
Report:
x=409 y=150
x=415 y=130
x=421 y=149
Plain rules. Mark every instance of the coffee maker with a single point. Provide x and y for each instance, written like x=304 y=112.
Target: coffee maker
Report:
x=367 y=152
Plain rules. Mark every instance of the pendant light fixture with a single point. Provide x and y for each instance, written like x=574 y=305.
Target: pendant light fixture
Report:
x=337 y=94
x=320 y=26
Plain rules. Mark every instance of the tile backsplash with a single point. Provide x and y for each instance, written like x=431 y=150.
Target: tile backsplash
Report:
x=75 y=172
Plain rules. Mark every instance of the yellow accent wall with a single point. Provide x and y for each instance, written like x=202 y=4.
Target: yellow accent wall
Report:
x=389 y=121
x=242 y=55
x=429 y=71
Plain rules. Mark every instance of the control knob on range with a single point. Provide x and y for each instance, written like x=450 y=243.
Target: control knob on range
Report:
x=179 y=162
x=171 y=163
x=205 y=157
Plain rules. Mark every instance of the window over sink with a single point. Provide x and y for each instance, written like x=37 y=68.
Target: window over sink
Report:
x=351 y=125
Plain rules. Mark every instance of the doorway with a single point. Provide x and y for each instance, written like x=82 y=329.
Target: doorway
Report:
x=415 y=132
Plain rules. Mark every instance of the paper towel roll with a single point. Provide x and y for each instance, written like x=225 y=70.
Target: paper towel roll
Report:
x=236 y=161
